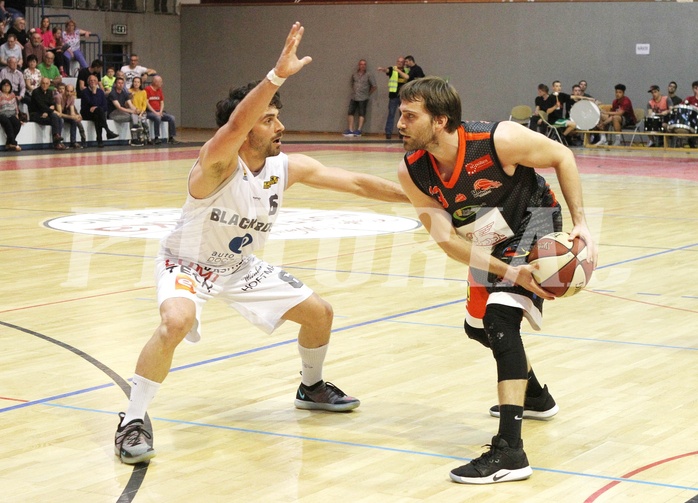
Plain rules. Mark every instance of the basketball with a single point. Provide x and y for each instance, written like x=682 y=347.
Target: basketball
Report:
x=562 y=266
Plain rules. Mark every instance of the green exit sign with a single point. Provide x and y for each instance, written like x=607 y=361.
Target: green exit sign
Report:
x=119 y=29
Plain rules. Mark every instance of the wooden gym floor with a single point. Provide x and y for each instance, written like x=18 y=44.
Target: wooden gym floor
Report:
x=619 y=358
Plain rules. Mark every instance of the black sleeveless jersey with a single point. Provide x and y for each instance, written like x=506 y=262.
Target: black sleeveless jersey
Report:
x=479 y=184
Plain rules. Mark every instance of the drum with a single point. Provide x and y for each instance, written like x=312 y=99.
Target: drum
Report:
x=683 y=119
x=654 y=124
x=585 y=114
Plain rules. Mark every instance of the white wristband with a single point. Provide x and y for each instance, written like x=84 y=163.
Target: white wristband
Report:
x=274 y=78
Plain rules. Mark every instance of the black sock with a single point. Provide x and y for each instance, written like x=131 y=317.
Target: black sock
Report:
x=534 y=389
x=510 y=419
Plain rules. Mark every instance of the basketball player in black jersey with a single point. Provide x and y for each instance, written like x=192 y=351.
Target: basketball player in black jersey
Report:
x=476 y=191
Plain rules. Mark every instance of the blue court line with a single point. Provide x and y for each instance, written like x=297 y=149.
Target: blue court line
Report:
x=378 y=448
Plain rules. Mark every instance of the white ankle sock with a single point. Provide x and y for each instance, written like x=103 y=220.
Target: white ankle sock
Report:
x=142 y=393
x=312 y=360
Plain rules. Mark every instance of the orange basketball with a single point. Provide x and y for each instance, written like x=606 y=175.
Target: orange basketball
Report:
x=562 y=266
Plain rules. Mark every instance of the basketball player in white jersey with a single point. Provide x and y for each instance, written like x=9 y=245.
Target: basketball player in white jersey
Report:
x=235 y=190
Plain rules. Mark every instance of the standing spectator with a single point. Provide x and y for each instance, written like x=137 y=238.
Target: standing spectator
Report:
x=671 y=93
x=363 y=84
x=133 y=69
x=621 y=115
x=95 y=69
x=65 y=108
x=71 y=39
x=32 y=77
x=93 y=107
x=108 y=80
x=9 y=116
x=42 y=110
x=156 y=111
x=49 y=70
x=122 y=110
x=19 y=29
x=34 y=47
x=11 y=48
x=396 y=79
x=16 y=78
x=414 y=70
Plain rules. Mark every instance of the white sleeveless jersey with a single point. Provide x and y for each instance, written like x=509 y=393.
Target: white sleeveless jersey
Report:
x=221 y=231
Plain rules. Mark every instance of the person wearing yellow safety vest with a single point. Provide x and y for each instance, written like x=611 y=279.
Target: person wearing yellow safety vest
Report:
x=397 y=77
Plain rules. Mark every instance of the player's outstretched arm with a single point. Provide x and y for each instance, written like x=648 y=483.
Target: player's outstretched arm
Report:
x=220 y=153
x=309 y=171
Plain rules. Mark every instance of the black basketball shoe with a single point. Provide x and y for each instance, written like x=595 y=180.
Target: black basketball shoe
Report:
x=542 y=407
x=500 y=464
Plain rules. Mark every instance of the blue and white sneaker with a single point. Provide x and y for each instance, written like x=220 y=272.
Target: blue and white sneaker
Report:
x=348 y=133
x=357 y=132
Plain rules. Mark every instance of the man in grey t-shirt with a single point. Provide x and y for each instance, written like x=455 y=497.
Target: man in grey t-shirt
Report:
x=363 y=84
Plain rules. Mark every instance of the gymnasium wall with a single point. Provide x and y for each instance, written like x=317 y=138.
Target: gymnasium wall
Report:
x=495 y=54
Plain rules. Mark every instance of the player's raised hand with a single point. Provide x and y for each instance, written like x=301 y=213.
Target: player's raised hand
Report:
x=288 y=62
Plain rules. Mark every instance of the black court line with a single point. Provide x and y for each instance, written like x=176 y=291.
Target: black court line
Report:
x=140 y=469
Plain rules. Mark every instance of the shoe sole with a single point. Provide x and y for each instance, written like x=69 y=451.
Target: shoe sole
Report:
x=143 y=458
x=500 y=476
x=545 y=415
x=302 y=404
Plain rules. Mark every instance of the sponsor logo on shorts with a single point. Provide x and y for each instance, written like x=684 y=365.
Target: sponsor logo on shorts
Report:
x=259 y=277
x=183 y=282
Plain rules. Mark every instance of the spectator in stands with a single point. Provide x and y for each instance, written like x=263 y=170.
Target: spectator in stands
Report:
x=71 y=39
x=93 y=107
x=133 y=69
x=543 y=102
x=19 y=29
x=621 y=115
x=11 y=48
x=49 y=70
x=64 y=100
x=3 y=36
x=658 y=106
x=9 y=116
x=46 y=33
x=122 y=110
x=156 y=111
x=95 y=68
x=16 y=78
x=559 y=113
x=139 y=98
x=32 y=77
x=61 y=62
x=42 y=110
x=108 y=80
x=34 y=47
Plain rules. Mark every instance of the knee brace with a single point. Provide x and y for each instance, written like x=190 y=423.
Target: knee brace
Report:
x=476 y=334
x=503 y=329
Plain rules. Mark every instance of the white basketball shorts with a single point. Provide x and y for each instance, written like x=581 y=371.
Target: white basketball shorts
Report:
x=260 y=292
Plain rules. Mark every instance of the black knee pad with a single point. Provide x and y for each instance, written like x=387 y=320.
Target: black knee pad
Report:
x=503 y=329
x=476 y=334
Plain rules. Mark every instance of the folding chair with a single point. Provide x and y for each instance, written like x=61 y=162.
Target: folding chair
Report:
x=521 y=114
x=553 y=132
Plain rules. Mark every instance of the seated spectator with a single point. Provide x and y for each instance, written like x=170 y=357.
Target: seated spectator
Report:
x=42 y=110
x=65 y=108
x=133 y=69
x=19 y=29
x=61 y=62
x=12 y=73
x=34 y=47
x=95 y=69
x=9 y=116
x=46 y=33
x=11 y=48
x=32 y=77
x=71 y=43
x=139 y=98
x=692 y=100
x=108 y=80
x=93 y=107
x=49 y=70
x=658 y=106
x=671 y=94
x=621 y=115
x=3 y=36
x=544 y=101
x=559 y=113
x=156 y=111
x=122 y=110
